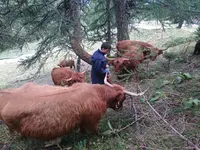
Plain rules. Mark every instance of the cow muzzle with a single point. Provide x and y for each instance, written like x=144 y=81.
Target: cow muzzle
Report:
x=118 y=107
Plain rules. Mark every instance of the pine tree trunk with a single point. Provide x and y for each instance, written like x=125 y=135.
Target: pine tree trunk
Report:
x=180 y=24
x=108 y=23
x=121 y=19
x=76 y=38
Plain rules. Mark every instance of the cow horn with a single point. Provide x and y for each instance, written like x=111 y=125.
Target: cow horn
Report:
x=125 y=91
x=68 y=79
x=135 y=94
x=106 y=82
x=110 y=58
x=125 y=58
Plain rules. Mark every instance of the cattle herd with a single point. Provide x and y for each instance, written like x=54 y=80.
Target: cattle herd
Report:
x=48 y=112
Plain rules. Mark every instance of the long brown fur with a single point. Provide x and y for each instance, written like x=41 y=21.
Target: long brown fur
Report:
x=47 y=112
x=61 y=75
x=149 y=51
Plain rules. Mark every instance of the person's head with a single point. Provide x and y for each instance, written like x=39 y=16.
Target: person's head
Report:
x=105 y=47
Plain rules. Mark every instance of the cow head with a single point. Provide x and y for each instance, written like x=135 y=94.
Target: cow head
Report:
x=154 y=53
x=76 y=77
x=79 y=77
x=119 y=63
x=117 y=102
x=62 y=63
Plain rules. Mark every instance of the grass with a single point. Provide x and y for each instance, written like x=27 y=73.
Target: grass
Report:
x=149 y=132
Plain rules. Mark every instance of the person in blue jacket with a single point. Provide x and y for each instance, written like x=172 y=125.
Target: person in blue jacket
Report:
x=99 y=64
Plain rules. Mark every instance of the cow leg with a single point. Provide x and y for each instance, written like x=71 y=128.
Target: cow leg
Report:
x=11 y=132
x=93 y=127
x=82 y=129
x=89 y=125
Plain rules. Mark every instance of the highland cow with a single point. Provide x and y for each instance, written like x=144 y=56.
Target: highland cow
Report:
x=66 y=76
x=129 y=60
x=48 y=112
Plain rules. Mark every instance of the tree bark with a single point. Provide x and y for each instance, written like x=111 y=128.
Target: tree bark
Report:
x=78 y=50
x=108 y=23
x=76 y=37
x=121 y=19
x=180 y=24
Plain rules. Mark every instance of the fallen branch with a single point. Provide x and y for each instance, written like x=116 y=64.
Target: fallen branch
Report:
x=115 y=131
x=135 y=112
x=121 y=129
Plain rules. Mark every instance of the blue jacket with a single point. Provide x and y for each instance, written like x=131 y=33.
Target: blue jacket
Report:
x=98 y=67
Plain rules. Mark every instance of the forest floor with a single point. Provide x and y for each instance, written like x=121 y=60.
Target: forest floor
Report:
x=174 y=92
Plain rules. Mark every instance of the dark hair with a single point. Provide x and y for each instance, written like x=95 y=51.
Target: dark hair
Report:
x=106 y=45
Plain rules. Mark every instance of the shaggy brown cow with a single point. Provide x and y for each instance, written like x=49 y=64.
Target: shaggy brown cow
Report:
x=149 y=51
x=66 y=76
x=129 y=60
x=122 y=46
x=48 y=112
x=67 y=63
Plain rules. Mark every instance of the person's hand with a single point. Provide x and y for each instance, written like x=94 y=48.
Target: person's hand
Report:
x=107 y=71
x=107 y=66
